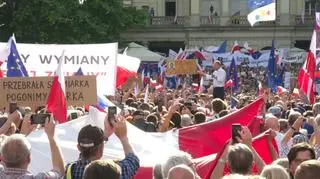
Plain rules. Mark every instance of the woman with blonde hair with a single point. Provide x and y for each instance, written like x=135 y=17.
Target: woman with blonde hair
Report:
x=274 y=172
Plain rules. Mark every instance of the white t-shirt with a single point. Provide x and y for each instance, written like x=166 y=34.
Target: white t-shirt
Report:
x=218 y=77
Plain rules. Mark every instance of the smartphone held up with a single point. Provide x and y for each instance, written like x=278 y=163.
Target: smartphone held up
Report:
x=39 y=118
x=112 y=111
x=236 y=128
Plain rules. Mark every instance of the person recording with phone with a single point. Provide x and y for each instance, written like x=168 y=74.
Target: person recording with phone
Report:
x=91 y=141
x=238 y=154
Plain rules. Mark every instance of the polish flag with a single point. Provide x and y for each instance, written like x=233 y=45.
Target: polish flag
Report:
x=4 y=53
x=282 y=90
x=306 y=74
x=195 y=86
x=182 y=55
x=127 y=67
x=228 y=84
x=295 y=92
x=56 y=103
x=153 y=83
x=249 y=49
x=152 y=148
x=236 y=47
x=159 y=87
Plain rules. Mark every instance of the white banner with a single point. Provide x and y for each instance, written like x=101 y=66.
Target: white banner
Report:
x=94 y=59
x=285 y=55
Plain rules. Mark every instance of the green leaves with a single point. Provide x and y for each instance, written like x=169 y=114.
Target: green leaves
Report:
x=66 y=21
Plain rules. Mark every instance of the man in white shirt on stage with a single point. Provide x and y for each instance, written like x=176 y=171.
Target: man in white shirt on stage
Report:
x=219 y=79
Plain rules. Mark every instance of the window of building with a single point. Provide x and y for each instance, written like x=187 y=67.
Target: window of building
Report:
x=311 y=6
x=170 y=7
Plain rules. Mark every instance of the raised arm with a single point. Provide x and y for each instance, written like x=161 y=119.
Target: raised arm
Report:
x=246 y=138
x=11 y=119
x=131 y=163
x=56 y=156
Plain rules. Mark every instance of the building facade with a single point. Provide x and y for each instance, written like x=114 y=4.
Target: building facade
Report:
x=197 y=23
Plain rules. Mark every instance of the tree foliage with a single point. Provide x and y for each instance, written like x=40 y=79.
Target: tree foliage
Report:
x=66 y=21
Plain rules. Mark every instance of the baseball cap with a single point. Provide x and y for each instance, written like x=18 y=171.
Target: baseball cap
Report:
x=90 y=136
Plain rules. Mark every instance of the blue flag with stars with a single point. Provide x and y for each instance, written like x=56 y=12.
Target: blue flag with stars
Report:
x=15 y=65
x=272 y=68
x=233 y=74
x=79 y=72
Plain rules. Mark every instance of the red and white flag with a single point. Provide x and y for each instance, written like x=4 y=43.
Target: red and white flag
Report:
x=236 y=47
x=153 y=82
x=248 y=49
x=197 y=140
x=57 y=104
x=4 y=53
x=295 y=92
x=281 y=90
x=306 y=74
x=159 y=87
x=228 y=84
x=195 y=86
x=127 y=67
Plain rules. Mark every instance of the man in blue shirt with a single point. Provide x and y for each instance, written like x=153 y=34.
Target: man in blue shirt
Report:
x=91 y=144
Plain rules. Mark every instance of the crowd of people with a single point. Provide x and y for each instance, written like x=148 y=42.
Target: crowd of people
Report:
x=292 y=122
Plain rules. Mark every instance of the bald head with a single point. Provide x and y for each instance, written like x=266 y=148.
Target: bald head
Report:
x=181 y=172
x=272 y=122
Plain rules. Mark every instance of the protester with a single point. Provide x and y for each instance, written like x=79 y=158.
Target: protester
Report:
x=181 y=172
x=298 y=154
x=240 y=157
x=308 y=169
x=274 y=172
x=15 y=155
x=101 y=169
x=181 y=158
x=91 y=144
x=283 y=162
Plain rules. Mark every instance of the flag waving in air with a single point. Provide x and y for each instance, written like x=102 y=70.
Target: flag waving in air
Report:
x=306 y=74
x=233 y=74
x=56 y=103
x=261 y=10
x=15 y=65
x=272 y=69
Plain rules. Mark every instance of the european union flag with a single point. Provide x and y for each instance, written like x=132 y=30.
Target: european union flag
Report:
x=233 y=74
x=272 y=68
x=15 y=65
x=79 y=72
x=280 y=76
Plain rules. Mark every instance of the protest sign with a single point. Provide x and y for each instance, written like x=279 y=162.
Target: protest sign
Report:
x=34 y=91
x=95 y=59
x=181 y=67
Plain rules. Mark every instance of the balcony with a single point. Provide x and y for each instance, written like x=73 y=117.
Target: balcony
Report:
x=159 y=21
x=207 y=20
x=242 y=21
x=169 y=20
x=298 y=21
